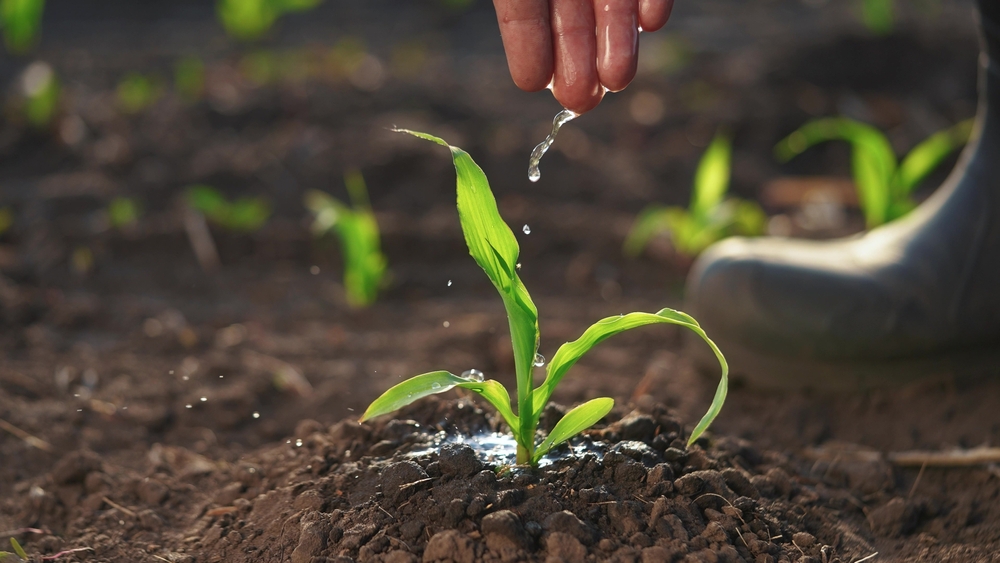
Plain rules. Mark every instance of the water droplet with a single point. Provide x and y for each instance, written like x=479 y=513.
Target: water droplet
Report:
x=517 y=266
x=539 y=360
x=314 y=270
x=527 y=230
x=449 y=283
x=560 y=119
x=256 y=414
x=446 y=324
x=203 y=399
x=409 y=395
x=298 y=443
x=473 y=375
x=187 y=406
x=435 y=386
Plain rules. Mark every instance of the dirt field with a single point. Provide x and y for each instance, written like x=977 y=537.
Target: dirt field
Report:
x=150 y=411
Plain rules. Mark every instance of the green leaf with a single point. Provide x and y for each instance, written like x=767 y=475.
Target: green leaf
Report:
x=424 y=385
x=711 y=181
x=357 y=229
x=494 y=247
x=20 y=21
x=208 y=200
x=247 y=214
x=569 y=353
x=925 y=157
x=18 y=549
x=577 y=420
x=873 y=161
x=650 y=222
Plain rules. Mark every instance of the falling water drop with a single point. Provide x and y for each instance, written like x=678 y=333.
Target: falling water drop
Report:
x=449 y=283
x=256 y=414
x=473 y=375
x=527 y=230
x=560 y=119
x=539 y=360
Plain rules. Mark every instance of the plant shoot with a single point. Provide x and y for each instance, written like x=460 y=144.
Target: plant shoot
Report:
x=21 y=21
x=244 y=215
x=494 y=247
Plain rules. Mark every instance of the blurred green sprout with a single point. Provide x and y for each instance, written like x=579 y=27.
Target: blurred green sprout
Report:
x=357 y=229
x=885 y=185
x=710 y=216
x=137 y=92
x=42 y=93
x=879 y=16
x=21 y=21
x=123 y=213
x=244 y=215
x=189 y=78
x=248 y=20
x=18 y=555
x=6 y=219
x=494 y=247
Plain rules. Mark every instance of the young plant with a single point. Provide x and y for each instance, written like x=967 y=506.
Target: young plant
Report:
x=247 y=20
x=494 y=247
x=42 y=94
x=355 y=226
x=21 y=21
x=123 y=213
x=137 y=92
x=18 y=555
x=243 y=215
x=884 y=184
x=189 y=78
x=879 y=16
x=710 y=216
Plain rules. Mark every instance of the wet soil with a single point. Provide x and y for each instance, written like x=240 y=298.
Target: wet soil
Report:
x=152 y=411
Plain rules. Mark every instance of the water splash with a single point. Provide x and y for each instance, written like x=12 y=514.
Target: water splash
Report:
x=496 y=449
x=561 y=118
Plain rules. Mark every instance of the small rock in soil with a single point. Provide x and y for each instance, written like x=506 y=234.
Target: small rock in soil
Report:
x=563 y=547
x=637 y=426
x=566 y=522
x=504 y=533
x=894 y=519
x=398 y=480
x=459 y=460
x=450 y=546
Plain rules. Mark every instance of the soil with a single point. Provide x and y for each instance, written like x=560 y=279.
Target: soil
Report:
x=152 y=411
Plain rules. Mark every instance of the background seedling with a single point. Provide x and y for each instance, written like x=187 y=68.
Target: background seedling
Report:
x=709 y=217
x=42 y=92
x=123 y=213
x=21 y=21
x=494 y=247
x=6 y=219
x=884 y=185
x=357 y=229
x=18 y=555
x=189 y=78
x=247 y=20
x=879 y=16
x=244 y=215
x=137 y=92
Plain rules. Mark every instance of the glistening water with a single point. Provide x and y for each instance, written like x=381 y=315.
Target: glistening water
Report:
x=496 y=449
x=560 y=119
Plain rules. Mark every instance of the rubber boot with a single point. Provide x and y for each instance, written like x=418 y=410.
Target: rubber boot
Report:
x=917 y=297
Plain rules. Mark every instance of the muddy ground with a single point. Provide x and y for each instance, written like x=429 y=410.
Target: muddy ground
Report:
x=152 y=411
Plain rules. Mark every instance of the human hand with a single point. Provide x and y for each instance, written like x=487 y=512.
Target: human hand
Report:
x=581 y=47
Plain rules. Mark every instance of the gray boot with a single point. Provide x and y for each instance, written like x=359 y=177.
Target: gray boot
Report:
x=917 y=297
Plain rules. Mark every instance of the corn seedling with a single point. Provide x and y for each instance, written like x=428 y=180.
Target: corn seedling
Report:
x=123 y=213
x=884 y=185
x=21 y=21
x=6 y=219
x=244 y=215
x=17 y=555
x=494 y=247
x=355 y=226
x=42 y=93
x=879 y=16
x=189 y=78
x=247 y=20
x=137 y=92
x=710 y=216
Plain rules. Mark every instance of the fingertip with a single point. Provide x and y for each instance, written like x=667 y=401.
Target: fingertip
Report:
x=579 y=101
x=532 y=80
x=653 y=14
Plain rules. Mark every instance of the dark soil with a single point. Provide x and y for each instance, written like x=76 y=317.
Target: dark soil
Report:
x=154 y=412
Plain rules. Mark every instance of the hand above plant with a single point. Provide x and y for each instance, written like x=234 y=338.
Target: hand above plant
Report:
x=494 y=247
x=579 y=47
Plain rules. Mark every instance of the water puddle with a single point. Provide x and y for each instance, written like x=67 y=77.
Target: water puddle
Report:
x=497 y=449
x=561 y=118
